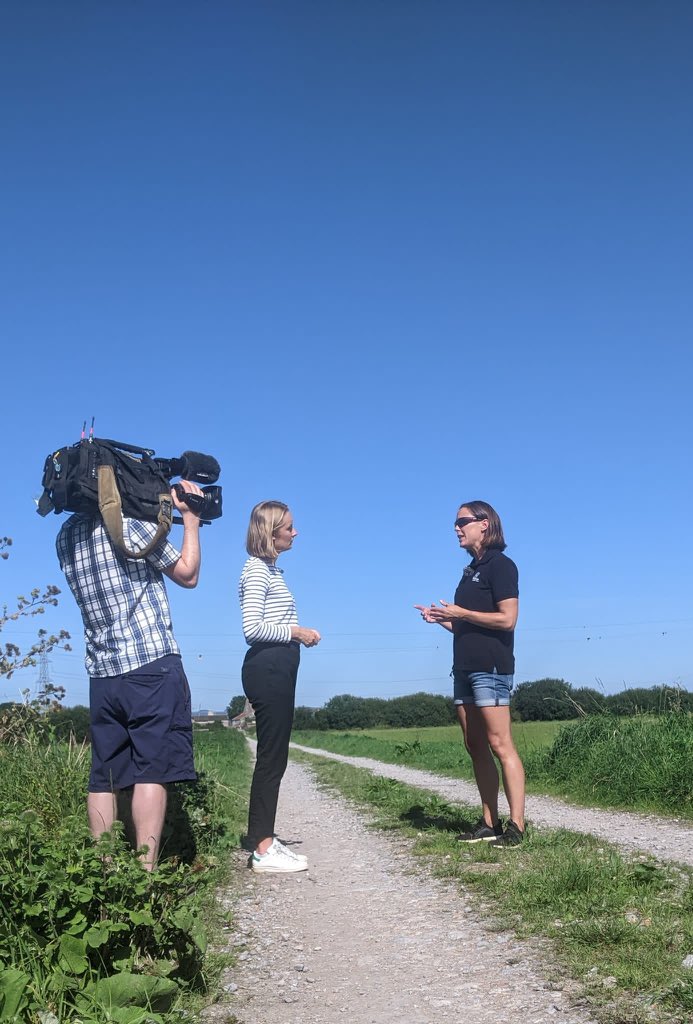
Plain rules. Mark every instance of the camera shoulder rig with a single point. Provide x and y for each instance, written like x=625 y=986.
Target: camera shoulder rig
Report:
x=114 y=479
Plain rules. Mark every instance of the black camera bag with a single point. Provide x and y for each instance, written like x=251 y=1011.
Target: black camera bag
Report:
x=111 y=478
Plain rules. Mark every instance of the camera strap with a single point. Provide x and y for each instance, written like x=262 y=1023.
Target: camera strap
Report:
x=111 y=508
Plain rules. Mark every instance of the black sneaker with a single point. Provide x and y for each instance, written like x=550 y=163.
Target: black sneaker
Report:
x=512 y=836
x=481 y=833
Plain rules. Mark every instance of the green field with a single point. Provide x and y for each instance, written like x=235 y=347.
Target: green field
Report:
x=525 y=734
x=438 y=749
x=642 y=762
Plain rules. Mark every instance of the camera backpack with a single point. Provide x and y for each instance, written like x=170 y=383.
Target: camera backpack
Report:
x=111 y=478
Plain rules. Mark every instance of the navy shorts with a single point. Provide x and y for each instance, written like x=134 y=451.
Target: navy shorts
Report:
x=141 y=727
x=483 y=689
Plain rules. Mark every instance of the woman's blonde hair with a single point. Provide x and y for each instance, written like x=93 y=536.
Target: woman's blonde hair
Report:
x=264 y=520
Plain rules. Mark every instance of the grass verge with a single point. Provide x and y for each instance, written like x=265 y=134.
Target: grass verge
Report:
x=641 y=763
x=619 y=928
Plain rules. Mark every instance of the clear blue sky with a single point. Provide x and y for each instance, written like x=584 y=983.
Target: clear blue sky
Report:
x=378 y=259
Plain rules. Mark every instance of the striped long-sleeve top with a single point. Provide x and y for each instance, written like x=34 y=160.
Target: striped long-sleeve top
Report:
x=267 y=604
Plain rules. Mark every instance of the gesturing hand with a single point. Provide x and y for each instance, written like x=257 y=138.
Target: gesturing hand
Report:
x=425 y=612
x=444 y=612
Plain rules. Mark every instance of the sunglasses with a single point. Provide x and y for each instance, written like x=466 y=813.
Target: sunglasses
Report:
x=465 y=520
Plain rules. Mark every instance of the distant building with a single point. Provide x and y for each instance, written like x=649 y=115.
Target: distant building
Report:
x=245 y=718
x=205 y=717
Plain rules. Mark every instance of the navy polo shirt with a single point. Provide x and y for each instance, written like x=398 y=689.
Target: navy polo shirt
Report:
x=485 y=582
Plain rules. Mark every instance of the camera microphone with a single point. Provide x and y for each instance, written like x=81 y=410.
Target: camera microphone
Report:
x=203 y=469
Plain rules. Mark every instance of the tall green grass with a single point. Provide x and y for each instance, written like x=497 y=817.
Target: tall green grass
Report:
x=644 y=762
x=223 y=756
x=50 y=778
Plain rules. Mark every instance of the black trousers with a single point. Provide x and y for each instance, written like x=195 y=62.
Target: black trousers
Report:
x=269 y=681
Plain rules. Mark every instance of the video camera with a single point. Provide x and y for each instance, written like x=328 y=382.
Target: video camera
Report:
x=201 y=469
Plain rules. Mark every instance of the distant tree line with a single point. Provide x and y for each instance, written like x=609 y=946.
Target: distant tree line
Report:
x=555 y=699
x=541 y=700
x=347 y=712
x=48 y=721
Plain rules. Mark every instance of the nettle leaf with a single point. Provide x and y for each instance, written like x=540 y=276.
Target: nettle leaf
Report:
x=72 y=954
x=33 y=909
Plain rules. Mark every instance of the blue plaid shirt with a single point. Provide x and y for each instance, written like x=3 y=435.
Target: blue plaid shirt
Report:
x=123 y=601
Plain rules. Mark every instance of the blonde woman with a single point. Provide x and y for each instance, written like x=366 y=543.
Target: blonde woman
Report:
x=270 y=668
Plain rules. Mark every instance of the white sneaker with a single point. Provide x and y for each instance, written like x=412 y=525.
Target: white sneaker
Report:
x=291 y=853
x=278 y=860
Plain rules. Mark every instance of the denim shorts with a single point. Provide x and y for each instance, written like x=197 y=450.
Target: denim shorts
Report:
x=141 y=727
x=484 y=689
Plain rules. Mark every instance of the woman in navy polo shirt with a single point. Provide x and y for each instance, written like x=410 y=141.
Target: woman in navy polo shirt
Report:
x=482 y=622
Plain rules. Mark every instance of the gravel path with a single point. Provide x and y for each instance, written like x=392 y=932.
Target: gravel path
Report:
x=367 y=936
x=364 y=937
x=666 y=838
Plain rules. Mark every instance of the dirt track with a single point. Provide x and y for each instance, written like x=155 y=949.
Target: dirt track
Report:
x=366 y=936
x=666 y=838
x=361 y=937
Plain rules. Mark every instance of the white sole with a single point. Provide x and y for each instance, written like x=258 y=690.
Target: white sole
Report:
x=260 y=869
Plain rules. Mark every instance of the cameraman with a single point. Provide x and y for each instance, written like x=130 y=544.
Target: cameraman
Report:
x=139 y=698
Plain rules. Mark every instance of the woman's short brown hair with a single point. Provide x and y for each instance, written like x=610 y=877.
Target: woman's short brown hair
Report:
x=264 y=520
x=493 y=538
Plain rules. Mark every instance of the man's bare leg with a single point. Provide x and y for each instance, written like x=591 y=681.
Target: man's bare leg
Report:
x=101 y=812
x=148 y=813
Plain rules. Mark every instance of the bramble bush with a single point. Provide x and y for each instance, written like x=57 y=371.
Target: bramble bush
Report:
x=85 y=932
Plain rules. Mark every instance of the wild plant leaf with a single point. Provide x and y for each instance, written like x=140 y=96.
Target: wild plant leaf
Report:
x=33 y=909
x=183 y=919
x=157 y=994
x=134 y=1015
x=59 y=983
x=142 y=917
x=98 y=934
x=199 y=936
x=72 y=954
x=76 y=924
x=82 y=893
x=14 y=987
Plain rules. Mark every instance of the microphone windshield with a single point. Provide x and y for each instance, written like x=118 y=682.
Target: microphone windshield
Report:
x=203 y=469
